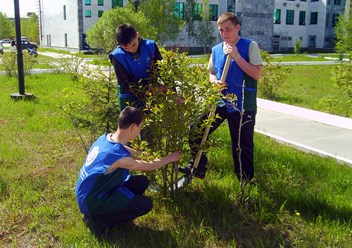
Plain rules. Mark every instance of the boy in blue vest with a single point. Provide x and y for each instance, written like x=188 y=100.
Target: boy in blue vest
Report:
x=107 y=194
x=134 y=60
x=246 y=66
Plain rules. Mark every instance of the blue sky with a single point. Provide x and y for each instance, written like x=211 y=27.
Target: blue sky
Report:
x=7 y=7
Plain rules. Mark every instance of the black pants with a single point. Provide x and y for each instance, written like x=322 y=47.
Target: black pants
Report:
x=138 y=206
x=246 y=140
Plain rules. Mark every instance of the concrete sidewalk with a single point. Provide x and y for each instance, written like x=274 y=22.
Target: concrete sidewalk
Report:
x=308 y=130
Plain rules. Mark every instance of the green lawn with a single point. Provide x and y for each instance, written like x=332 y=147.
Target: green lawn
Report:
x=312 y=87
x=299 y=200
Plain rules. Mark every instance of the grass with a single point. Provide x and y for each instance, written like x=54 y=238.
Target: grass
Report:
x=312 y=87
x=299 y=200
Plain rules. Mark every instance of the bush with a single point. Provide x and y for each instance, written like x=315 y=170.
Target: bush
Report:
x=273 y=76
x=9 y=63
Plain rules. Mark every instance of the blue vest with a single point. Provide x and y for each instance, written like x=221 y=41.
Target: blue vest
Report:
x=235 y=78
x=93 y=183
x=139 y=67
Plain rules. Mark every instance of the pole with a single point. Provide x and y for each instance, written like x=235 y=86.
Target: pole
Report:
x=21 y=87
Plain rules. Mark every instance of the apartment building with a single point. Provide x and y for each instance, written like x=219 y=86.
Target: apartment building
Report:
x=311 y=21
x=64 y=23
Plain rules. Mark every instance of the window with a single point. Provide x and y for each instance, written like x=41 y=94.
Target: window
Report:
x=100 y=2
x=313 y=18
x=100 y=13
x=213 y=12
x=337 y=2
x=66 y=44
x=197 y=11
x=327 y=20
x=303 y=0
x=88 y=2
x=88 y=13
x=277 y=16
x=290 y=14
x=314 y=0
x=64 y=12
x=179 y=10
x=302 y=18
x=117 y=3
x=335 y=18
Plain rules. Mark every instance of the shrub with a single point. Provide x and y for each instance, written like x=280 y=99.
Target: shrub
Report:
x=273 y=76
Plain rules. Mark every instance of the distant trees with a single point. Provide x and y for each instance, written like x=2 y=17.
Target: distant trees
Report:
x=162 y=18
x=6 y=27
x=102 y=33
x=343 y=31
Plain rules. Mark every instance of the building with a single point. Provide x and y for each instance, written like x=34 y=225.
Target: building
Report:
x=274 y=24
x=64 y=23
x=311 y=21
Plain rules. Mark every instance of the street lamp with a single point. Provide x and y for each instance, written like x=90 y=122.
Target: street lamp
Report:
x=136 y=3
x=21 y=94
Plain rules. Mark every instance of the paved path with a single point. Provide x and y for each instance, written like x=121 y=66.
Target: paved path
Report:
x=308 y=130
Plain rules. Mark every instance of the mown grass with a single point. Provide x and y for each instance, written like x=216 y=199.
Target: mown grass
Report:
x=299 y=200
x=312 y=87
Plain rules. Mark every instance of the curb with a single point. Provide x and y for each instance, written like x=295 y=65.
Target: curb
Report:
x=329 y=119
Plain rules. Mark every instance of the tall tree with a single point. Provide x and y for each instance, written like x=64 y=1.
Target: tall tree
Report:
x=6 y=27
x=162 y=18
x=102 y=33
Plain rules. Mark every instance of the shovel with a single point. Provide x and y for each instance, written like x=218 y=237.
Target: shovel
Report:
x=186 y=179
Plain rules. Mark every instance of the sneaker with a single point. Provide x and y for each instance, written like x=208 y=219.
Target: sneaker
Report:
x=187 y=170
x=93 y=226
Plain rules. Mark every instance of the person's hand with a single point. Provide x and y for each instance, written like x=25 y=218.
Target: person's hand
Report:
x=220 y=84
x=173 y=157
x=232 y=51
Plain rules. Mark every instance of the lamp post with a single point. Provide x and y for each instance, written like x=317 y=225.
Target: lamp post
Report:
x=21 y=94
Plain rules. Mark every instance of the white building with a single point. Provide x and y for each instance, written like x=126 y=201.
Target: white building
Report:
x=274 y=24
x=64 y=23
x=312 y=21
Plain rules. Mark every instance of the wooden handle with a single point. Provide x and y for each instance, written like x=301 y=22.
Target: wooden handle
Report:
x=211 y=114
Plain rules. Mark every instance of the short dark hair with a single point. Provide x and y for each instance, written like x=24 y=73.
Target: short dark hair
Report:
x=129 y=116
x=228 y=16
x=125 y=33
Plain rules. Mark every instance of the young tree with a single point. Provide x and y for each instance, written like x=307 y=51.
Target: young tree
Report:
x=189 y=19
x=102 y=33
x=204 y=28
x=6 y=27
x=30 y=27
x=162 y=18
x=343 y=31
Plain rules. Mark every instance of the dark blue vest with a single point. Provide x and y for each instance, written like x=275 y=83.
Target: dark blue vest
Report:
x=138 y=67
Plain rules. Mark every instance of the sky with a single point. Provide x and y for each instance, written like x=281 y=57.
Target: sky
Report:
x=7 y=7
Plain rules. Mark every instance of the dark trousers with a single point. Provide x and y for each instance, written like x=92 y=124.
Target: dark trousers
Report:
x=246 y=140
x=138 y=206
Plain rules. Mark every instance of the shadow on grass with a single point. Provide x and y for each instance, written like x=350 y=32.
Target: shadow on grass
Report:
x=230 y=223
x=132 y=235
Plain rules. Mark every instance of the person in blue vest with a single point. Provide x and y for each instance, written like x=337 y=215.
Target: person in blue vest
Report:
x=244 y=72
x=106 y=192
x=134 y=60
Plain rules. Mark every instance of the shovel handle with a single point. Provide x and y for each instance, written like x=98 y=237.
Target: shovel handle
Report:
x=211 y=116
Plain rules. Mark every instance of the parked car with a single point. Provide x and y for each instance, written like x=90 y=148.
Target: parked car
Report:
x=25 y=44
x=1 y=49
x=5 y=42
